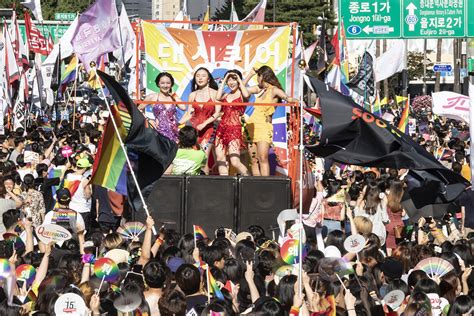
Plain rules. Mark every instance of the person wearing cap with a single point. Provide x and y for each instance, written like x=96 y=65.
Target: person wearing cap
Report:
x=81 y=200
x=65 y=216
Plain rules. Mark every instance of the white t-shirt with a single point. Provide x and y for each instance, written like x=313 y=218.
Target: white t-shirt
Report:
x=48 y=218
x=79 y=203
x=378 y=219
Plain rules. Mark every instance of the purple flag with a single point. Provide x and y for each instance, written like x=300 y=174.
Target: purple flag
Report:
x=97 y=32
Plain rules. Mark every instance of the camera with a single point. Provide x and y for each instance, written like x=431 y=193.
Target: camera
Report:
x=220 y=232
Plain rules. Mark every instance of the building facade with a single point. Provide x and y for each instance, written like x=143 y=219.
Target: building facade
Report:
x=137 y=8
x=166 y=9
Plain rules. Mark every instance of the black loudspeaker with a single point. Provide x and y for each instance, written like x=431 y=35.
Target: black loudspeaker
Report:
x=166 y=203
x=210 y=202
x=261 y=199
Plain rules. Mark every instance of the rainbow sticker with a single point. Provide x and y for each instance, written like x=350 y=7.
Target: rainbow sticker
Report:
x=289 y=251
x=14 y=240
x=26 y=272
x=107 y=269
x=5 y=268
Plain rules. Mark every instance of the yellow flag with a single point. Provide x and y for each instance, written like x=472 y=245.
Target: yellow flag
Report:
x=400 y=99
x=384 y=101
x=205 y=26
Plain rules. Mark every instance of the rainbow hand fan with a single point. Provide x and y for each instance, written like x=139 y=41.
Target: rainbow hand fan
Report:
x=131 y=230
x=434 y=266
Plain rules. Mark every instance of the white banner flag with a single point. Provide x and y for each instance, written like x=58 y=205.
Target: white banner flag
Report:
x=452 y=105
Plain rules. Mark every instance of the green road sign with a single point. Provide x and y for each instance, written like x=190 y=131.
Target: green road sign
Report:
x=429 y=18
x=56 y=31
x=470 y=18
x=365 y=19
x=64 y=16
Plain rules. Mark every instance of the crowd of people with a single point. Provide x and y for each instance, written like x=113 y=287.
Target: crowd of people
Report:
x=46 y=176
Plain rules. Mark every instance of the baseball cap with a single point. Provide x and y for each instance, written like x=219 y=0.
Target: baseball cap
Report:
x=392 y=268
x=63 y=195
x=243 y=236
x=83 y=163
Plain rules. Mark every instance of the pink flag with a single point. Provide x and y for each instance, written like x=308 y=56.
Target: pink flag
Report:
x=97 y=32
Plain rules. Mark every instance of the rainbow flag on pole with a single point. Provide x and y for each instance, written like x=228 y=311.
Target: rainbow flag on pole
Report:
x=110 y=169
x=70 y=72
x=344 y=55
x=213 y=287
x=199 y=233
x=403 y=125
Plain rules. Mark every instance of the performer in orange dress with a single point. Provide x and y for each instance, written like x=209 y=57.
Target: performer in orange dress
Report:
x=229 y=132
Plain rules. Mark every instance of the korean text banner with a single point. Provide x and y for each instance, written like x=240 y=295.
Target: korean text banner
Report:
x=181 y=52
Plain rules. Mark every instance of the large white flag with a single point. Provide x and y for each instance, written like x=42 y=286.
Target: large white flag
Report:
x=452 y=105
x=47 y=66
x=256 y=15
x=35 y=7
x=127 y=38
x=392 y=61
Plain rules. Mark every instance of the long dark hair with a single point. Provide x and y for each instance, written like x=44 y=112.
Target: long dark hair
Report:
x=395 y=196
x=372 y=199
x=212 y=82
x=269 y=76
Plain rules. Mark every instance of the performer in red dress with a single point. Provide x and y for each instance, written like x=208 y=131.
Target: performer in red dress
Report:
x=229 y=133
x=203 y=115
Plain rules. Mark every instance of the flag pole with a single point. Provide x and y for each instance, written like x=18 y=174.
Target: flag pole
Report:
x=75 y=96
x=122 y=145
x=301 y=148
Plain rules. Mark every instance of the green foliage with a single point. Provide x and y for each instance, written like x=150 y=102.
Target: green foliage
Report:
x=49 y=7
x=305 y=12
x=224 y=12
x=415 y=66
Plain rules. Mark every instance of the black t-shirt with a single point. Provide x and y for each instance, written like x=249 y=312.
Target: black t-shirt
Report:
x=194 y=301
x=45 y=186
x=466 y=199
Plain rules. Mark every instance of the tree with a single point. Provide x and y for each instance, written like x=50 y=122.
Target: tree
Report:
x=416 y=67
x=50 y=7
x=305 y=12
x=224 y=12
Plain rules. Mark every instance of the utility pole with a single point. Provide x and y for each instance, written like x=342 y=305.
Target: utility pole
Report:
x=465 y=79
x=385 y=82
x=425 y=43
x=456 y=63
x=274 y=11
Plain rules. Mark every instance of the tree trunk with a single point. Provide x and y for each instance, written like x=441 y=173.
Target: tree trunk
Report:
x=438 y=60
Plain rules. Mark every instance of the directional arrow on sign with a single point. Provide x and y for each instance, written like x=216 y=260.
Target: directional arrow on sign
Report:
x=367 y=29
x=411 y=8
x=411 y=14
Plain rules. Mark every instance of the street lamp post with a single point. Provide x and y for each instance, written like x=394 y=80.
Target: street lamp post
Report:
x=274 y=11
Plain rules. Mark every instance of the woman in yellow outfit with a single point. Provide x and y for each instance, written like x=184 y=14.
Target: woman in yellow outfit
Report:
x=259 y=124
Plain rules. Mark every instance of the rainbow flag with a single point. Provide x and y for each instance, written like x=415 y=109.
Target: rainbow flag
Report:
x=55 y=173
x=199 y=233
x=403 y=125
x=213 y=287
x=377 y=107
x=343 y=55
x=71 y=185
x=70 y=72
x=110 y=169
